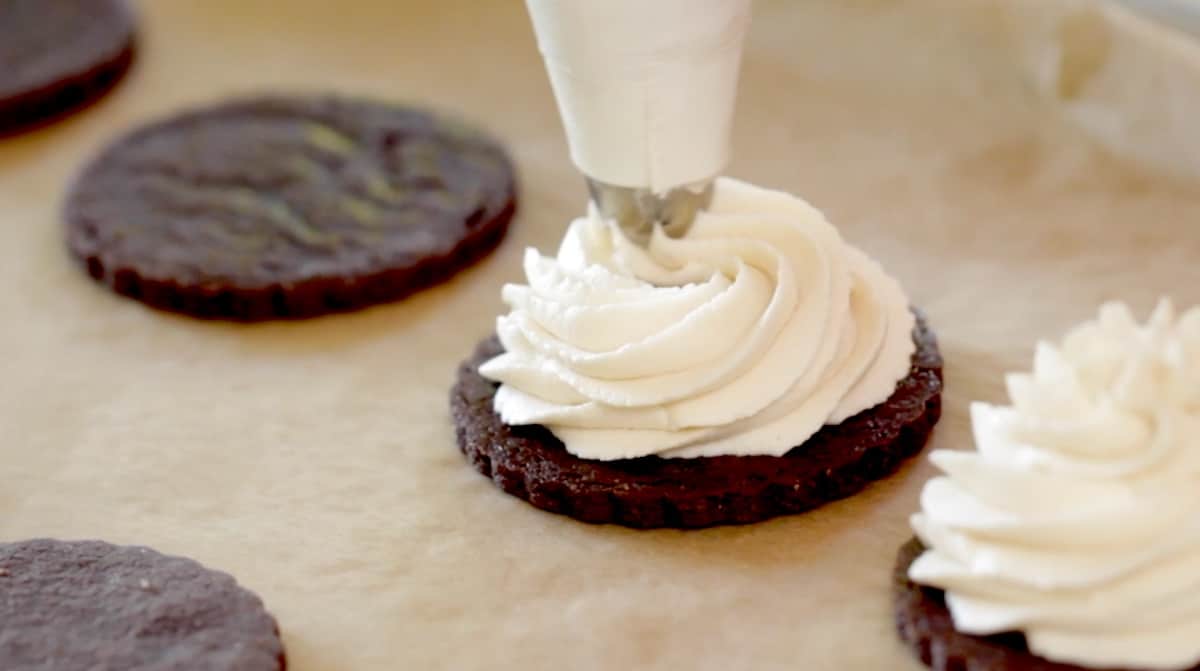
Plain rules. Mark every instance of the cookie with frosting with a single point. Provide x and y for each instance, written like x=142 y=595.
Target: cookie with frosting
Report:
x=755 y=367
x=1070 y=538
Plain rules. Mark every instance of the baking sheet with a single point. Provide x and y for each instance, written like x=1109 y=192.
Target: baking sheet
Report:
x=1008 y=170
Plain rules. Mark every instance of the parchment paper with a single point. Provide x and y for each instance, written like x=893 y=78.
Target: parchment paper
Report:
x=972 y=146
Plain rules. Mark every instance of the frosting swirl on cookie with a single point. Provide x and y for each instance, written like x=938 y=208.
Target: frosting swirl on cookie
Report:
x=744 y=337
x=1077 y=521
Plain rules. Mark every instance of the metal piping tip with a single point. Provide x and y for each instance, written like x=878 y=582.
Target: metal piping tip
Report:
x=638 y=211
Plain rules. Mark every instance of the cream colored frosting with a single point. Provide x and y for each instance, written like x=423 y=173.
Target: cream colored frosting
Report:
x=646 y=90
x=1077 y=521
x=744 y=337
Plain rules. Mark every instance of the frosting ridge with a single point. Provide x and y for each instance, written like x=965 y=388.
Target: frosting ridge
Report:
x=746 y=336
x=1076 y=520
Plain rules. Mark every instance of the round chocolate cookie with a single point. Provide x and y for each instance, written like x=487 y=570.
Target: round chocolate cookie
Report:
x=289 y=207
x=58 y=55
x=530 y=463
x=76 y=605
x=926 y=625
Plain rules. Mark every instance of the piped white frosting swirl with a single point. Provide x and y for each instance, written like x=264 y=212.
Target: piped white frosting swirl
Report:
x=1077 y=521
x=744 y=337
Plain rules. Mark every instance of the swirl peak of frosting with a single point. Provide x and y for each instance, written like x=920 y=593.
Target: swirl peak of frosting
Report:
x=1077 y=520
x=743 y=337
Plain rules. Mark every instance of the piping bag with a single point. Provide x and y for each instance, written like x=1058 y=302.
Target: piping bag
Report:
x=646 y=91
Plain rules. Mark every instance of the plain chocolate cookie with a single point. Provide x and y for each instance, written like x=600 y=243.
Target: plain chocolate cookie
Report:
x=530 y=463
x=91 y=606
x=926 y=625
x=58 y=55
x=289 y=207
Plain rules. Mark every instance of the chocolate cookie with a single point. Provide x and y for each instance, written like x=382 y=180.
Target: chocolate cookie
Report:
x=926 y=625
x=58 y=55
x=289 y=207
x=76 y=605
x=530 y=463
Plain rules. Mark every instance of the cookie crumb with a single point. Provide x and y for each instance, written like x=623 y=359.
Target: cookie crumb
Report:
x=4 y=573
x=144 y=584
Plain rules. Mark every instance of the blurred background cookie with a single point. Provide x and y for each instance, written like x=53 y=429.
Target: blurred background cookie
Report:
x=58 y=55
x=289 y=207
